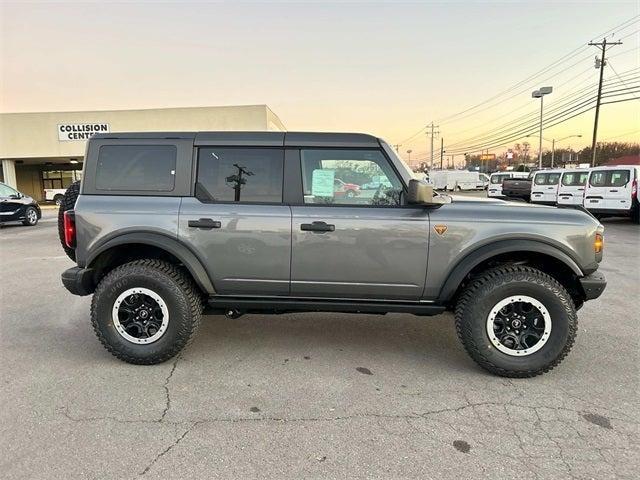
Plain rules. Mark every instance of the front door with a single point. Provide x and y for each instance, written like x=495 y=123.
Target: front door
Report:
x=356 y=241
x=10 y=203
x=237 y=223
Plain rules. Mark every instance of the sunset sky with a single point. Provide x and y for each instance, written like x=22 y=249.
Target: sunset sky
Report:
x=383 y=68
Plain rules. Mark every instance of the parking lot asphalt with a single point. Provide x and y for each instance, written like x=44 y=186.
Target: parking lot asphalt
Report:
x=308 y=395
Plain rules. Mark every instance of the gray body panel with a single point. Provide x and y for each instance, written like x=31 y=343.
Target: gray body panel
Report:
x=474 y=224
x=373 y=252
x=101 y=218
x=249 y=254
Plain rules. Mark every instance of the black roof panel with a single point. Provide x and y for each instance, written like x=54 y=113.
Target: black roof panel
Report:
x=257 y=139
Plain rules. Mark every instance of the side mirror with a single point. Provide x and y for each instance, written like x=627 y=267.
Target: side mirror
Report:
x=421 y=193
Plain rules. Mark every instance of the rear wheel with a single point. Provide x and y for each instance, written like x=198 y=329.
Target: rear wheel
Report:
x=146 y=311
x=516 y=321
x=68 y=202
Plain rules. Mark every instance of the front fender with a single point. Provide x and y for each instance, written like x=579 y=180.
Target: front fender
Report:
x=471 y=260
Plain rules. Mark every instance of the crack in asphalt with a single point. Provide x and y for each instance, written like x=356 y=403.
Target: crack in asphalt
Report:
x=167 y=392
x=513 y=427
x=167 y=450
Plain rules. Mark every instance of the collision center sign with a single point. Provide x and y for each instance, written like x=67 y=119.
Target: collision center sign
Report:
x=69 y=132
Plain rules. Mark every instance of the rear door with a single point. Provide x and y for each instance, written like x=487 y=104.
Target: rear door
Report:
x=618 y=194
x=544 y=188
x=366 y=246
x=571 y=188
x=609 y=189
x=237 y=223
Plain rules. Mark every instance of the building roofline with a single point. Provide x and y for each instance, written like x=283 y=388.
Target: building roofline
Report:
x=262 y=105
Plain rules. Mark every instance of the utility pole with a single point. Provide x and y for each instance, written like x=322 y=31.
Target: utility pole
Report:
x=432 y=134
x=397 y=146
x=599 y=63
x=441 y=151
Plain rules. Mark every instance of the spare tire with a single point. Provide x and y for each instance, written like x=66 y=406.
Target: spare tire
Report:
x=68 y=203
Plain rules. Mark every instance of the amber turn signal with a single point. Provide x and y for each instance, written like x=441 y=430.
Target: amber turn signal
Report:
x=598 y=243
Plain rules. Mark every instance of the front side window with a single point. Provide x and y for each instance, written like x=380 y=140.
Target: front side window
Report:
x=136 y=168
x=575 y=179
x=246 y=175
x=349 y=177
x=6 y=191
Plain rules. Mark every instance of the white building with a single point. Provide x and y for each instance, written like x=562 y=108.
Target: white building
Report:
x=46 y=150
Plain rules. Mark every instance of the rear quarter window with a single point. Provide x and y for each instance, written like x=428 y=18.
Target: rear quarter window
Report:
x=136 y=167
x=497 y=179
x=547 y=178
x=575 y=179
x=610 y=178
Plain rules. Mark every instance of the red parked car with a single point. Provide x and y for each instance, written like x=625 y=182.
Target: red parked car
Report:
x=342 y=189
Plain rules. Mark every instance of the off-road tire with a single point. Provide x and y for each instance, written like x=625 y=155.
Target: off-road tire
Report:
x=26 y=222
x=58 y=199
x=492 y=286
x=170 y=282
x=68 y=203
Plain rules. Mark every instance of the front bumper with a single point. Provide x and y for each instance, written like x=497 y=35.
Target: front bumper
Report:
x=593 y=285
x=79 y=281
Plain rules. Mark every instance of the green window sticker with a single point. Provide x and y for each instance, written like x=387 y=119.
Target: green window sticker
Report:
x=322 y=183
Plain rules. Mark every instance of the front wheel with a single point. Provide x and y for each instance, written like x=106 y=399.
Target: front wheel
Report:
x=516 y=321
x=146 y=311
x=58 y=199
x=30 y=217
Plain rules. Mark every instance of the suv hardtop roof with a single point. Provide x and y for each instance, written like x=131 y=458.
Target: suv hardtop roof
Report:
x=262 y=139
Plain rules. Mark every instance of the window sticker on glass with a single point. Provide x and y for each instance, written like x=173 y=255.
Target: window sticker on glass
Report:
x=322 y=183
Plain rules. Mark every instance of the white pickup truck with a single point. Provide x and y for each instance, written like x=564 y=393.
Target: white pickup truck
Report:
x=54 y=195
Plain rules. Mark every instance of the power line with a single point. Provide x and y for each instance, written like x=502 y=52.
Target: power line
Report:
x=611 y=32
x=531 y=117
x=616 y=73
x=521 y=133
x=554 y=64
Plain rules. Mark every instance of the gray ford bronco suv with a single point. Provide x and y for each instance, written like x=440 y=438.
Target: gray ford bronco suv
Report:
x=167 y=226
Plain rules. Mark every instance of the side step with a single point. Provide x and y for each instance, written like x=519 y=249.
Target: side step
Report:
x=222 y=304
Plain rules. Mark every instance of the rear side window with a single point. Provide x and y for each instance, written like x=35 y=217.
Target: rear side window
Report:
x=575 y=179
x=136 y=167
x=245 y=175
x=497 y=179
x=547 y=179
x=609 y=178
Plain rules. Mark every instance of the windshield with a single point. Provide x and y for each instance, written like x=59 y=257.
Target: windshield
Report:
x=405 y=172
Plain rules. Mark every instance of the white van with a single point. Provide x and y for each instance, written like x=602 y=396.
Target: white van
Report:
x=454 y=180
x=613 y=191
x=572 y=185
x=544 y=186
x=496 y=179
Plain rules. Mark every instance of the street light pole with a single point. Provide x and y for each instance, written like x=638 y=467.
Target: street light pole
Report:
x=540 y=94
x=553 y=144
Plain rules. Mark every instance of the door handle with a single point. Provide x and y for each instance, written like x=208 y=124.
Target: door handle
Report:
x=317 y=227
x=613 y=191
x=205 y=223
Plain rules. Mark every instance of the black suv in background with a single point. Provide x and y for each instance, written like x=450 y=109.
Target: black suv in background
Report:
x=17 y=207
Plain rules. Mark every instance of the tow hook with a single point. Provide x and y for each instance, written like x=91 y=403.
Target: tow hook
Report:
x=233 y=313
